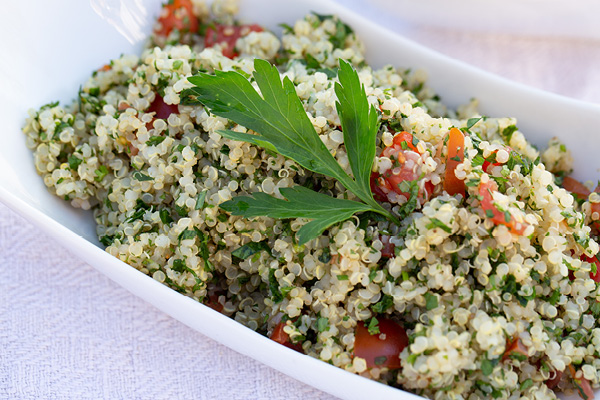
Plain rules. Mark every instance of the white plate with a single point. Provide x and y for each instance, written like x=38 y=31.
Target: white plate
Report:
x=555 y=18
x=49 y=58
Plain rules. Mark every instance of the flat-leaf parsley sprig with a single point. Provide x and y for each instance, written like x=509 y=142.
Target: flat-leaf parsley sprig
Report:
x=282 y=126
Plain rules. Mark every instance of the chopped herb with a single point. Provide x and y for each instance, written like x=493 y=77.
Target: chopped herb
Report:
x=325 y=256
x=431 y=301
x=74 y=162
x=101 y=172
x=250 y=249
x=165 y=216
x=141 y=177
x=155 y=140
x=412 y=358
x=322 y=324
x=436 y=223
x=380 y=360
x=178 y=265
x=386 y=302
x=200 y=200
x=373 y=326
x=487 y=366
x=508 y=132
x=472 y=121
x=177 y=64
x=342 y=277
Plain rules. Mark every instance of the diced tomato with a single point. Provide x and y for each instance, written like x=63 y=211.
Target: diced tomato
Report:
x=456 y=155
x=283 y=338
x=161 y=109
x=212 y=301
x=575 y=187
x=227 y=35
x=378 y=194
x=105 y=67
x=498 y=217
x=405 y=137
x=515 y=348
x=554 y=380
x=593 y=260
x=404 y=155
x=382 y=349
x=178 y=14
x=388 y=248
x=582 y=385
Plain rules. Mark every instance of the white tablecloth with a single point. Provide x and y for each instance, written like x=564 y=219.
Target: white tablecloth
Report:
x=68 y=332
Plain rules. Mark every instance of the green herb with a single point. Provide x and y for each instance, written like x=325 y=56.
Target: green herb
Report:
x=380 y=360
x=286 y=28
x=178 y=265
x=200 y=200
x=274 y=287
x=74 y=162
x=165 y=216
x=431 y=301
x=283 y=127
x=155 y=140
x=94 y=91
x=186 y=235
x=386 y=302
x=330 y=72
x=107 y=240
x=182 y=211
x=508 y=132
x=177 y=64
x=526 y=384
x=141 y=177
x=487 y=366
x=436 y=223
x=472 y=121
x=412 y=188
x=373 y=327
x=489 y=213
x=322 y=324
x=478 y=160
x=250 y=249
x=412 y=358
x=342 y=277
x=311 y=62
x=101 y=172
x=325 y=256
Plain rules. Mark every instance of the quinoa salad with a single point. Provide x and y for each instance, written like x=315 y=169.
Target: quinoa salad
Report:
x=341 y=210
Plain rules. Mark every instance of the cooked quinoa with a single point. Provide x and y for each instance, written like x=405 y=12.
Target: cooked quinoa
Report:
x=491 y=308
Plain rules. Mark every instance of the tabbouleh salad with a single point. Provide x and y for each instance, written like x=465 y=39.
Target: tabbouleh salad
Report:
x=344 y=212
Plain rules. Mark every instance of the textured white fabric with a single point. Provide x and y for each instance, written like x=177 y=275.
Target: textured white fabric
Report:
x=68 y=332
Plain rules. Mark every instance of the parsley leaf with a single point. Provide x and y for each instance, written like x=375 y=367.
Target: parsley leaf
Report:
x=301 y=203
x=282 y=126
x=250 y=249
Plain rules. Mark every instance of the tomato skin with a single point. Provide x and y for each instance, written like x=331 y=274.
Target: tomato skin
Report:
x=487 y=203
x=592 y=260
x=582 y=385
x=515 y=347
x=162 y=109
x=388 y=249
x=407 y=138
x=227 y=35
x=278 y=335
x=372 y=347
x=456 y=150
x=212 y=301
x=555 y=380
x=178 y=15
x=575 y=187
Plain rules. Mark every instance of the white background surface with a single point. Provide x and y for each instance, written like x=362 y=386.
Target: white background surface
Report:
x=68 y=332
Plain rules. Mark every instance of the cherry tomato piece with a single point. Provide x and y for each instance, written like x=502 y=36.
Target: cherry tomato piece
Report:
x=278 y=335
x=177 y=15
x=554 y=380
x=382 y=349
x=575 y=187
x=227 y=35
x=498 y=217
x=582 y=385
x=405 y=137
x=456 y=155
x=515 y=348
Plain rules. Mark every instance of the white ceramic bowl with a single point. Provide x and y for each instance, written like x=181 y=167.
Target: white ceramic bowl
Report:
x=50 y=58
